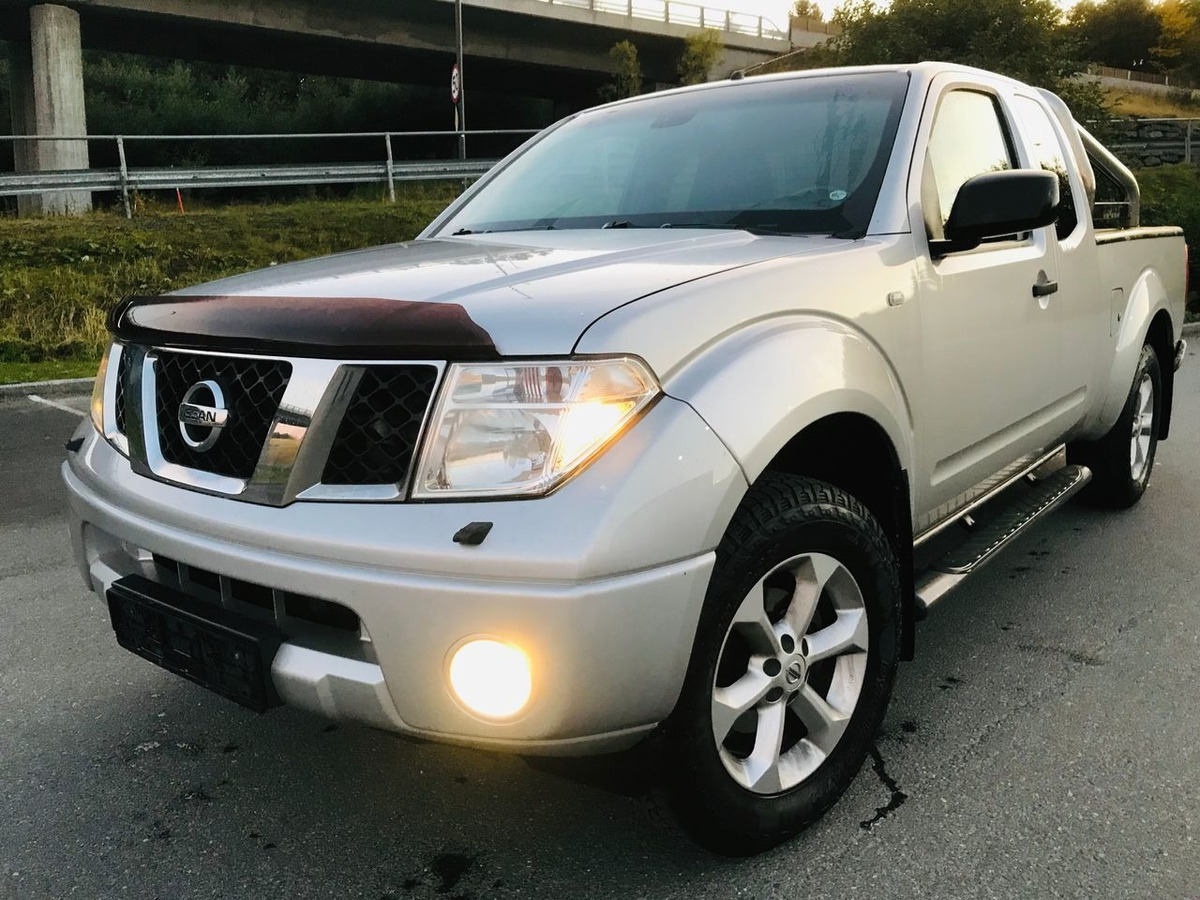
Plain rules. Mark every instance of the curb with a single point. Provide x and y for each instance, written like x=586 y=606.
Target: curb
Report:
x=1191 y=328
x=61 y=388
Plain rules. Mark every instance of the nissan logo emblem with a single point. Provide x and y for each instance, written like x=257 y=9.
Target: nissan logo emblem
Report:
x=202 y=415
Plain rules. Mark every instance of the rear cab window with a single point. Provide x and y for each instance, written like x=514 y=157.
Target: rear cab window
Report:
x=1112 y=210
x=1049 y=155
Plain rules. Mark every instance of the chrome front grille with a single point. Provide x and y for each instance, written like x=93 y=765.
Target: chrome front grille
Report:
x=252 y=390
x=293 y=429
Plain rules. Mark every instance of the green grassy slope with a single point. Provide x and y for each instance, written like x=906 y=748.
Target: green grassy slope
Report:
x=60 y=277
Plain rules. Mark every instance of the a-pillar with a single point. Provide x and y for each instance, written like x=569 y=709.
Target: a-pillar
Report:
x=48 y=100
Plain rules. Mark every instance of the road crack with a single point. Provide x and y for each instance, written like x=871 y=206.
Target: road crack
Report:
x=894 y=802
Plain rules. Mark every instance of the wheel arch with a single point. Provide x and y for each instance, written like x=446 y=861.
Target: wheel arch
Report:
x=852 y=451
x=1146 y=320
x=1161 y=336
x=813 y=396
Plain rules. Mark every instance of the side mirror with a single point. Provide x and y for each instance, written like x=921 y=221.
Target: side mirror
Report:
x=999 y=203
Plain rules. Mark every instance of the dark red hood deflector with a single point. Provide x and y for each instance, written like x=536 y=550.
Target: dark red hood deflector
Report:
x=340 y=328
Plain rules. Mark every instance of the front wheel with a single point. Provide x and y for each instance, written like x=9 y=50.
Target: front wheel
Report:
x=1122 y=460
x=791 y=670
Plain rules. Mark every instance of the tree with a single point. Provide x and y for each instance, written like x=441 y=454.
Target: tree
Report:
x=1016 y=37
x=807 y=9
x=1121 y=33
x=1020 y=38
x=1178 y=48
x=702 y=52
x=627 y=81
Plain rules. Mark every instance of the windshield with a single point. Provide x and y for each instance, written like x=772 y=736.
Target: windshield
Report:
x=793 y=156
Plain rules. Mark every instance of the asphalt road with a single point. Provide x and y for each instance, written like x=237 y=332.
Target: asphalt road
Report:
x=1046 y=743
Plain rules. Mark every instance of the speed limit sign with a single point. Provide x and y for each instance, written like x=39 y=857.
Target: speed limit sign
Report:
x=455 y=84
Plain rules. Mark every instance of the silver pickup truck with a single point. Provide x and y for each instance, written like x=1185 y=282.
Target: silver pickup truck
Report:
x=671 y=428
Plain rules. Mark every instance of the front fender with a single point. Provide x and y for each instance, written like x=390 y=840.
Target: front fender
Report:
x=761 y=386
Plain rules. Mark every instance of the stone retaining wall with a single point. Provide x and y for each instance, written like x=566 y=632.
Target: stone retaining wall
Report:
x=1149 y=143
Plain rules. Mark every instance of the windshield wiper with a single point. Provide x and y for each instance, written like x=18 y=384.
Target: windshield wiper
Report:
x=625 y=223
x=764 y=230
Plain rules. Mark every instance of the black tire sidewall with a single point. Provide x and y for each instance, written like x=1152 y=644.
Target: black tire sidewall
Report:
x=722 y=814
x=1113 y=484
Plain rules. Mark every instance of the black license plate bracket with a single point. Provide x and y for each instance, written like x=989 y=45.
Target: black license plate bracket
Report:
x=211 y=646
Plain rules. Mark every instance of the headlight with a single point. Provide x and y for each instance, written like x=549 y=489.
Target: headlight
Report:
x=521 y=428
x=98 y=390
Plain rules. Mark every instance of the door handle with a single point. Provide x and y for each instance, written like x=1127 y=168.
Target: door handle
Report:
x=1045 y=288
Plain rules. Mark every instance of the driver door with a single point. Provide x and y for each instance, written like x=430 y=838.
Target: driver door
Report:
x=990 y=346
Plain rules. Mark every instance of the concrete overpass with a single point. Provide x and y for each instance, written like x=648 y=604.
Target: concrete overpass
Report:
x=553 y=49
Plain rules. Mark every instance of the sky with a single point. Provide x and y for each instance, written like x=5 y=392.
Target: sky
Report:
x=777 y=10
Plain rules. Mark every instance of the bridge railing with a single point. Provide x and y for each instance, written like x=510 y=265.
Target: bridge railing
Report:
x=125 y=179
x=678 y=12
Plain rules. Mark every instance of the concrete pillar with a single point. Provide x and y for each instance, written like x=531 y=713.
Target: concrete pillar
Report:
x=20 y=73
x=57 y=57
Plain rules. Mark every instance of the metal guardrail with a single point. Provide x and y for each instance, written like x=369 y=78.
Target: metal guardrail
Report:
x=678 y=12
x=125 y=179
x=237 y=176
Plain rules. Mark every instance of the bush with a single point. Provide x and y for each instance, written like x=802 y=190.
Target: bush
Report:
x=702 y=52
x=627 y=78
x=1171 y=196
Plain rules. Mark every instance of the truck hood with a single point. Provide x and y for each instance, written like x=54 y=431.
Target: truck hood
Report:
x=512 y=294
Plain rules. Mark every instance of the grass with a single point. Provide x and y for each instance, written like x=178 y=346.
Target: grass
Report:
x=47 y=370
x=60 y=277
x=1174 y=105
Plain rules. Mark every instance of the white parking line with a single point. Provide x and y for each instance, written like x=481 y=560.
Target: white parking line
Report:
x=42 y=400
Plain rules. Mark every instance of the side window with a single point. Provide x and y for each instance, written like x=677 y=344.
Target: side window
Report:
x=1048 y=153
x=968 y=139
x=1112 y=209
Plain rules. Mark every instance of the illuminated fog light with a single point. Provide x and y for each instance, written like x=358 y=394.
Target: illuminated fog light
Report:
x=490 y=678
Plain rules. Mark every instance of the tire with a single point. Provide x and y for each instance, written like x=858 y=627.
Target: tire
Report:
x=1122 y=461
x=799 y=532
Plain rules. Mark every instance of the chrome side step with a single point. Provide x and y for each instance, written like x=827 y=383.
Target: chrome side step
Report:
x=983 y=546
x=1040 y=467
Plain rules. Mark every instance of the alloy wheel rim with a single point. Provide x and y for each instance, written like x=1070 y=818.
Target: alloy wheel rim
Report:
x=1143 y=430
x=790 y=673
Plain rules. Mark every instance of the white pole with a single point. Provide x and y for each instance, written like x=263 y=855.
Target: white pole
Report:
x=461 y=124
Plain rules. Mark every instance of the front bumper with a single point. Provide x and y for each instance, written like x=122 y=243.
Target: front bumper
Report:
x=600 y=583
